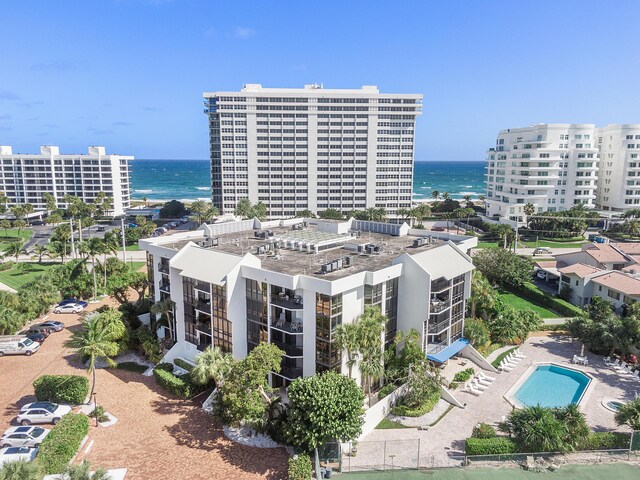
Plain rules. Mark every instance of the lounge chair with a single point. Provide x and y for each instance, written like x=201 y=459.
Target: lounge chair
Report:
x=505 y=367
x=512 y=358
x=607 y=360
x=529 y=464
x=471 y=390
x=554 y=464
x=518 y=354
x=481 y=381
x=478 y=386
x=486 y=377
x=615 y=364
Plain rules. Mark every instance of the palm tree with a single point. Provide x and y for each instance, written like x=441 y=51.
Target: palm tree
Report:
x=22 y=470
x=244 y=208
x=347 y=337
x=93 y=248
x=435 y=194
x=14 y=249
x=371 y=326
x=212 y=364
x=467 y=200
x=210 y=213
x=5 y=225
x=404 y=213
x=529 y=209
x=54 y=219
x=421 y=211
x=632 y=227
x=198 y=208
x=163 y=308
x=82 y=471
x=19 y=224
x=445 y=196
x=40 y=251
x=260 y=211
x=145 y=201
x=629 y=414
x=483 y=296
x=109 y=245
x=97 y=339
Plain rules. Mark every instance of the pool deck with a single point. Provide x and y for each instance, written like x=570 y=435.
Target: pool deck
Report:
x=443 y=444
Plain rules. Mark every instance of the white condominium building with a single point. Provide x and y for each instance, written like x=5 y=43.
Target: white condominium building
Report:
x=292 y=282
x=619 y=175
x=552 y=166
x=25 y=177
x=312 y=148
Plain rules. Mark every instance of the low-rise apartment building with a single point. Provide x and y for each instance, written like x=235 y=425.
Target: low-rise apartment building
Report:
x=25 y=177
x=292 y=282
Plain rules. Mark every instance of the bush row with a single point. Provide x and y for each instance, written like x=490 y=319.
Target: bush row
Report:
x=172 y=383
x=606 y=441
x=562 y=307
x=464 y=375
x=426 y=407
x=490 y=446
x=62 y=443
x=299 y=467
x=183 y=364
x=388 y=389
x=68 y=389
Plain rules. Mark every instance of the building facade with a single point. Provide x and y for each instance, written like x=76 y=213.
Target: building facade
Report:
x=312 y=148
x=293 y=282
x=552 y=166
x=619 y=175
x=25 y=177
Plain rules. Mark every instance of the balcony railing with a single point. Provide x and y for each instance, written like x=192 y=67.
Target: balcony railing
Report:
x=291 y=373
x=203 y=287
x=204 y=328
x=203 y=306
x=437 y=347
x=288 y=327
x=163 y=267
x=289 y=350
x=202 y=346
x=294 y=303
x=165 y=287
x=439 y=285
x=439 y=305
x=435 y=328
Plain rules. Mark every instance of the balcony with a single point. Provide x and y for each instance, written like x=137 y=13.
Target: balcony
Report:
x=292 y=328
x=202 y=346
x=203 y=306
x=163 y=267
x=165 y=287
x=434 y=348
x=438 y=306
x=439 y=285
x=290 y=373
x=289 y=350
x=203 y=287
x=204 y=328
x=286 y=302
x=435 y=328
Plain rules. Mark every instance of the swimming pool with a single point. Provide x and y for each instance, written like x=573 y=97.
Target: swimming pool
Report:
x=551 y=386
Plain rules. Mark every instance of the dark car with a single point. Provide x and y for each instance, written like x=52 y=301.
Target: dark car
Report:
x=34 y=329
x=35 y=336
x=52 y=324
x=68 y=301
x=100 y=228
x=37 y=222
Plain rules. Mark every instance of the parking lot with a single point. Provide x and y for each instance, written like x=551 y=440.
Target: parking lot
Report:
x=156 y=437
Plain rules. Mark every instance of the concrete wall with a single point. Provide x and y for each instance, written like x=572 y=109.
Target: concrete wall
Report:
x=374 y=415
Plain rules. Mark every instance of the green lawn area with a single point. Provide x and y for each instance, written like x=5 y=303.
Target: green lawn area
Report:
x=520 y=303
x=135 y=266
x=387 y=424
x=619 y=471
x=552 y=244
x=487 y=244
x=22 y=273
x=131 y=248
x=11 y=235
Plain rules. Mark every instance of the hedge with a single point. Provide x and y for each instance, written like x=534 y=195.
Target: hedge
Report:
x=490 y=446
x=67 y=389
x=428 y=405
x=606 y=441
x=499 y=358
x=484 y=430
x=62 y=443
x=562 y=307
x=464 y=375
x=166 y=366
x=299 y=467
x=183 y=364
x=172 y=383
x=388 y=389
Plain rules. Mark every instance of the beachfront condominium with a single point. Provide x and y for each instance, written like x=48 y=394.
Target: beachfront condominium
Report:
x=552 y=166
x=619 y=175
x=292 y=282
x=312 y=148
x=25 y=177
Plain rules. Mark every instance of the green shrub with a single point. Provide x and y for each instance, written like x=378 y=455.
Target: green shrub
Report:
x=299 y=467
x=166 y=366
x=562 y=307
x=388 y=389
x=464 y=375
x=132 y=367
x=6 y=265
x=182 y=364
x=425 y=407
x=62 y=443
x=68 y=389
x=496 y=362
x=484 y=430
x=606 y=441
x=172 y=383
x=490 y=446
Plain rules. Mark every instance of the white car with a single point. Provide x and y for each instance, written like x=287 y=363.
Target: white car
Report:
x=541 y=274
x=16 y=454
x=68 y=308
x=23 y=436
x=42 y=412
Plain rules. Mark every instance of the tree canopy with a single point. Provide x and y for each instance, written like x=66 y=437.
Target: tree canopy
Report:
x=503 y=267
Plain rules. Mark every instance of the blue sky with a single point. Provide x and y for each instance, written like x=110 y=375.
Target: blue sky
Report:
x=129 y=74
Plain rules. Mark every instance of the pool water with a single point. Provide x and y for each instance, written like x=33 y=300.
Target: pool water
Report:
x=552 y=386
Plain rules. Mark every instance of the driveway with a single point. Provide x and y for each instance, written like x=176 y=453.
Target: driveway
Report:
x=156 y=436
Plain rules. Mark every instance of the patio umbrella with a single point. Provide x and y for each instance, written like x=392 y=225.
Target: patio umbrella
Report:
x=582 y=351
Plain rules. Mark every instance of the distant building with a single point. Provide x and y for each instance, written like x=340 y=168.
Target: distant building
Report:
x=292 y=282
x=552 y=166
x=25 y=177
x=619 y=175
x=312 y=148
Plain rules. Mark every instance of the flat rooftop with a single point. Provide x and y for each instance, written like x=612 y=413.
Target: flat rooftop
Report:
x=295 y=262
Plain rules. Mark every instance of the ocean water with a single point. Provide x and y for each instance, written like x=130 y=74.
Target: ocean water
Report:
x=190 y=179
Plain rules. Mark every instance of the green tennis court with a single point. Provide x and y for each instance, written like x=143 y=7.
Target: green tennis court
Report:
x=617 y=471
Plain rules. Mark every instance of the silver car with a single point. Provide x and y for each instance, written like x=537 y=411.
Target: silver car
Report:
x=23 y=436
x=42 y=412
x=17 y=454
x=68 y=308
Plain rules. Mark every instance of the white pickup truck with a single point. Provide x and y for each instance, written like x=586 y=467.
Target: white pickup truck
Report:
x=17 y=345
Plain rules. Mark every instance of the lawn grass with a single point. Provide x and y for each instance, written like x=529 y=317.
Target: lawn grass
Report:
x=520 y=303
x=499 y=358
x=11 y=235
x=24 y=272
x=386 y=424
x=487 y=244
x=131 y=248
x=135 y=266
x=552 y=244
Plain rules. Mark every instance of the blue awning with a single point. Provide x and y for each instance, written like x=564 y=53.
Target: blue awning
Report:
x=448 y=352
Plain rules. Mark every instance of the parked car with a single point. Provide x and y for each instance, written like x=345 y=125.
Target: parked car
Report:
x=36 y=222
x=46 y=331
x=542 y=251
x=68 y=308
x=67 y=301
x=16 y=454
x=35 y=336
x=42 y=412
x=17 y=345
x=437 y=229
x=23 y=436
x=52 y=324
x=541 y=274
x=100 y=228
x=132 y=225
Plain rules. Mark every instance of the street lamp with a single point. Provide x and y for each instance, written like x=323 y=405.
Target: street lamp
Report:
x=95 y=407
